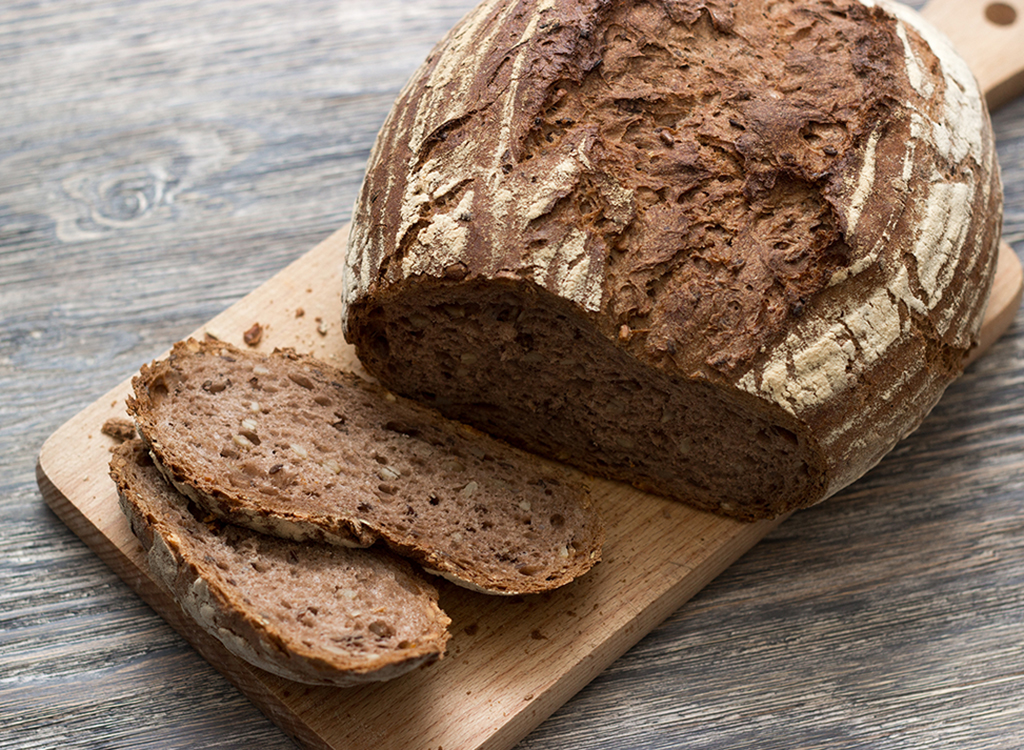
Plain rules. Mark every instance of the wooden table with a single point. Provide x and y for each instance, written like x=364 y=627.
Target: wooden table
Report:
x=160 y=160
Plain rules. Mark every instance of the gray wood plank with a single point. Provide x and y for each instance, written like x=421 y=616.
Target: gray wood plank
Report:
x=160 y=159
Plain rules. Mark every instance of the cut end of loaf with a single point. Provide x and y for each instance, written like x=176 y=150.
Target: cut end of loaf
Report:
x=521 y=364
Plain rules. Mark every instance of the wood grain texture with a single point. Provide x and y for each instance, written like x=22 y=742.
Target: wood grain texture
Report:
x=161 y=159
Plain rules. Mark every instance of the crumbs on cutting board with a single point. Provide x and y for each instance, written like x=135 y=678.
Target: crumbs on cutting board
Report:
x=119 y=428
x=254 y=335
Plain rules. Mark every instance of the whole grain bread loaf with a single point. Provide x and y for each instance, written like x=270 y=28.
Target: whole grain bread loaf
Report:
x=313 y=613
x=728 y=252
x=287 y=445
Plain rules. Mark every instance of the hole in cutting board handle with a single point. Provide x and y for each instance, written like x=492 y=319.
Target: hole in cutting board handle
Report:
x=1001 y=14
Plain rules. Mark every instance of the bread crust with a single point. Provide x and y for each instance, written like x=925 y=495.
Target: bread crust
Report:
x=795 y=205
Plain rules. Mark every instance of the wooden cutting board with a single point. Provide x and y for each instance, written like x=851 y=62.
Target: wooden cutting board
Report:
x=511 y=662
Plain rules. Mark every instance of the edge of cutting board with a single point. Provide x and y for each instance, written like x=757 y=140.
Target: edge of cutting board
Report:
x=510 y=662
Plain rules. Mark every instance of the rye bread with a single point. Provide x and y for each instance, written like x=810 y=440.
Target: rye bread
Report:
x=313 y=613
x=287 y=445
x=728 y=252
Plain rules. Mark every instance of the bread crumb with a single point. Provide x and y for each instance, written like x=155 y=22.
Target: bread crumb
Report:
x=253 y=336
x=299 y=312
x=119 y=428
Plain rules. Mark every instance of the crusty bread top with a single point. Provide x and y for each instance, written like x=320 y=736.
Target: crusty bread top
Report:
x=314 y=613
x=701 y=172
x=287 y=444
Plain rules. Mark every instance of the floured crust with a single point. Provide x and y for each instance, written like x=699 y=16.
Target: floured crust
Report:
x=311 y=613
x=795 y=200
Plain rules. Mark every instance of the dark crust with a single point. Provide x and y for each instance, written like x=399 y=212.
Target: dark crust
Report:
x=731 y=230
x=192 y=547
x=687 y=176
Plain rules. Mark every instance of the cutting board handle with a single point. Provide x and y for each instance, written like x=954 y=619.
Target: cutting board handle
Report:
x=989 y=34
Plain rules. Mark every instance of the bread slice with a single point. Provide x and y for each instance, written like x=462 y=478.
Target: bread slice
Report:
x=313 y=613
x=288 y=445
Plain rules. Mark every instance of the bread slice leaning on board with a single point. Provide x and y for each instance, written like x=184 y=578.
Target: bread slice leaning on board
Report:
x=728 y=252
x=287 y=445
x=313 y=613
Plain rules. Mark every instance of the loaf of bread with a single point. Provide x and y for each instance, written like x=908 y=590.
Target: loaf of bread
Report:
x=287 y=445
x=313 y=613
x=728 y=252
